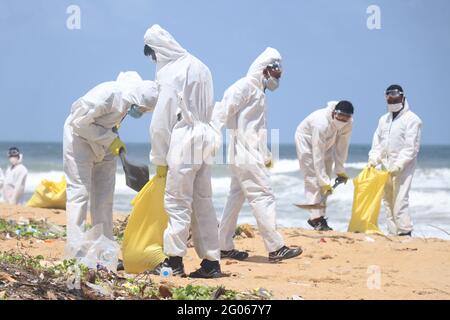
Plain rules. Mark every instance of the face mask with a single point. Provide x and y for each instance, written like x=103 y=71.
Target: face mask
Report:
x=14 y=160
x=272 y=83
x=396 y=107
x=134 y=112
x=339 y=124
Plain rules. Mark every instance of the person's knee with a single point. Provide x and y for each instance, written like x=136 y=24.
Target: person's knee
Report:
x=77 y=194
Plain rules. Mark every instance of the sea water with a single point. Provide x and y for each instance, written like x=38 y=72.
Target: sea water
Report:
x=429 y=196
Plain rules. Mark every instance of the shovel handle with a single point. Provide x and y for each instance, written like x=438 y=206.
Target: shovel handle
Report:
x=336 y=184
x=122 y=156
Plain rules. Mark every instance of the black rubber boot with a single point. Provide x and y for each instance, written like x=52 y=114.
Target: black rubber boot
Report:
x=319 y=224
x=175 y=263
x=284 y=253
x=120 y=266
x=208 y=270
x=234 y=254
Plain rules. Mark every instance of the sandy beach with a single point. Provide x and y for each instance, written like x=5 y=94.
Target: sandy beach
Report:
x=333 y=266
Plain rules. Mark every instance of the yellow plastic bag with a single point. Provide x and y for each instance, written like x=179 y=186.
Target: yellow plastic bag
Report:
x=369 y=189
x=49 y=194
x=142 y=247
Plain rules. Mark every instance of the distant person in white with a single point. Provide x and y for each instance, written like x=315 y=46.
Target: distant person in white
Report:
x=322 y=141
x=15 y=178
x=395 y=146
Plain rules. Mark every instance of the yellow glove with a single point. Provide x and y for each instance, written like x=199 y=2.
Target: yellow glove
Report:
x=269 y=164
x=327 y=189
x=116 y=128
x=161 y=171
x=116 y=146
x=342 y=177
x=395 y=170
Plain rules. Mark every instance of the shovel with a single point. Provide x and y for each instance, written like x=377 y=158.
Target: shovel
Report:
x=136 y=175
x=322 y=202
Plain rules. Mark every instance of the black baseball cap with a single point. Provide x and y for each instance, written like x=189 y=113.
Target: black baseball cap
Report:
x=345 y=107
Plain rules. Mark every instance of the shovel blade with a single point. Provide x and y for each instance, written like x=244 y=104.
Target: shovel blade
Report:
x=311 y=206
x=136 y=175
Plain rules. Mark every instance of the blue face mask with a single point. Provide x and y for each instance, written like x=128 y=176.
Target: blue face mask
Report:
x=135 y=112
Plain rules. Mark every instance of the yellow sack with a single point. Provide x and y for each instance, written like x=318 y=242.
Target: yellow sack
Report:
x=49 y=194
x=142 y=247
x=369 y=188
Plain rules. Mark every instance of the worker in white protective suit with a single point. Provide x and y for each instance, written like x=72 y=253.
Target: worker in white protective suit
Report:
x=243 y=112
x=90 y=149
x=183 y=142
x=322 y=140
x=15 y=178
x=395 y=146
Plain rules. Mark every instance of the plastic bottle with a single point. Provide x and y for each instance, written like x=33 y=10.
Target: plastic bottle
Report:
x=166 y=272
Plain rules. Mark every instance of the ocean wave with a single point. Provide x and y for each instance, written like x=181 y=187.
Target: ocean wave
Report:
x=424 y=179
x=285 y=166
x=35 y=178
x=292 y=165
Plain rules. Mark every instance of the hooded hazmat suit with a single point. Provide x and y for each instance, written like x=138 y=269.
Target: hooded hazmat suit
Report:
x=320 y=145
x=183 y=139
x=396 y=143
x=14 y=183
x=243 y=112
x=89 y=165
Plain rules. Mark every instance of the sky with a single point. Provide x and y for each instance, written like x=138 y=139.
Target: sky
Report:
x=329 y=53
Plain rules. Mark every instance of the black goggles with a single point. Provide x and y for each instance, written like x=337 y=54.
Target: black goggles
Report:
x=341 y=113
x=13 y=152
x=276 y=66
x=394 y=93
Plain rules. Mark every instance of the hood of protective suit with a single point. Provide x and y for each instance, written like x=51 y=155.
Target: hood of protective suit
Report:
x=331 y=105
x=143 y=94
x=128 y=76
x=270 y=55
x=166 y=48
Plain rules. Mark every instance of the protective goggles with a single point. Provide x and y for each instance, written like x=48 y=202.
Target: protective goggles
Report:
x=394 y=93
x=275 y=66
x=342 y=116
x=13 y=152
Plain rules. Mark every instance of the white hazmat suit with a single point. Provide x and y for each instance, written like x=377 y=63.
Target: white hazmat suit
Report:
x=183 y=139
x=14 y=183
x=243 y=112
x=320 y=145
x=89 y=165
x=396 y=143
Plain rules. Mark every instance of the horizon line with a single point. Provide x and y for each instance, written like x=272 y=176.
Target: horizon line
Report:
x=282 y=143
